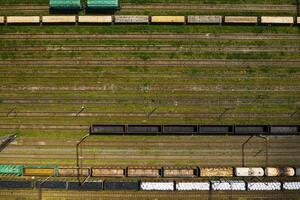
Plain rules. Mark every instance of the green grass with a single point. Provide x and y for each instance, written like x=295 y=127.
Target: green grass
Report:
x=121 y=29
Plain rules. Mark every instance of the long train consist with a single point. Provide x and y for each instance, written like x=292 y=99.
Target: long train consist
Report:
x=195 y=129
x=217 y=185
x=151 y=172
x=144 y=19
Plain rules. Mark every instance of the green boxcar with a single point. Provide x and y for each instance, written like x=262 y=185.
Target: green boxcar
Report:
x=65 y=5
x=103 y=4
x=16 y=170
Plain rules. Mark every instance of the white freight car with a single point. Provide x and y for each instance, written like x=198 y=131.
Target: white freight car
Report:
x=246 y=171
x=95 y=19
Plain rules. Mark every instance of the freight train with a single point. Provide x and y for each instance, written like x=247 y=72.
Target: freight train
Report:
x=217 y=185
x=151 y=172
x=195 y=130
x=144 y=19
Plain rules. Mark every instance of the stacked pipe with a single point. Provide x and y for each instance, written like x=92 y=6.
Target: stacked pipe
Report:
x=228 y=185
x=157 y=186
x=193 y=186
x=291 y=185
x=264 y=186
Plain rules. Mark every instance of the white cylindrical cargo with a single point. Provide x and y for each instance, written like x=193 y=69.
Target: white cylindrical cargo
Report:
x=264 y=186
x=157 y=186
x=291 y=185
x=228 y=185
x=193 y=186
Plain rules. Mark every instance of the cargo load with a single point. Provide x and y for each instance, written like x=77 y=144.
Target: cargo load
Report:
x=168 y=19
x=216 y=171
x=252 y=171
x=114 y=185
x=73 y=171
x=23 y=19
x=52 y=184
x=228 y=185
x=40 y=171
x=185 y=186
x=277 y=20
x=95 y=19
x=276 y=171
x=2 y=20
x=91 y=185
x=59 y=19
x=264 y=186
x=131 y=19
x=211 y=19
x=144 y=172
x=157 y=186
x=179 y=172
x=107 y=171
x=241 y=19
x=295 y=185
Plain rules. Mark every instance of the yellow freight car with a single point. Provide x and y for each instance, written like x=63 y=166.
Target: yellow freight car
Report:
x=168 y=19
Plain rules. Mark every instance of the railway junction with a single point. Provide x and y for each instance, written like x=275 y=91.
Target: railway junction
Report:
x=152 y=99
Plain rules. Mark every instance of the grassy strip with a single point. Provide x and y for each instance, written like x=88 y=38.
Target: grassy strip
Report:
x=176 y=43
x=148 y=29
x=271 y=119
x=144 y=55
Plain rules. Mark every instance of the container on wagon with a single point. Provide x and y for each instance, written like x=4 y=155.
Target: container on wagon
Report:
x=144 y=171
x=246 y=171
x=95 y=19
x=180 y=172
x=168 y=19
x=65 y=5
x=216 y=171
x=198 y=19
x=16 y=170
x=276 y=171
x=108 y=171
x=23 y=19
x=241 y=19
x=277 y=20
x=73 y=171
x=103 y=4
x=131 y=19
x=59 y=19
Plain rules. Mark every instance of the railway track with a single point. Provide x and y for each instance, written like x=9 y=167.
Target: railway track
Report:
x=166 y=101
x=173 y=88
x=122 y=62
x=152 y=48
x=144 y=114
x=162 y=195
x=125 y=7
x=151 y=36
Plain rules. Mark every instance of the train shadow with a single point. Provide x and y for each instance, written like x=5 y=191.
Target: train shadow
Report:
x=64 y=12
